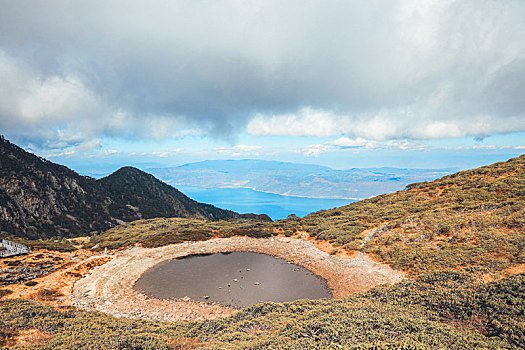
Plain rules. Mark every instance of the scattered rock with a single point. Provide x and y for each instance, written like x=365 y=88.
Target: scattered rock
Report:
x=23 y=272
x=256 y=283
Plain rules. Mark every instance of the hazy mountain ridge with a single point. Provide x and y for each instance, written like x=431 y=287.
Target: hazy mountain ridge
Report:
x=41 y=199
x=303 y=180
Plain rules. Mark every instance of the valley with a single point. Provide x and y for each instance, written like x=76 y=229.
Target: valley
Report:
x=438 y=265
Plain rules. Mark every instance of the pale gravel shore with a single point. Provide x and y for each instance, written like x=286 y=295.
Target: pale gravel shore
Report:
x=109 y=287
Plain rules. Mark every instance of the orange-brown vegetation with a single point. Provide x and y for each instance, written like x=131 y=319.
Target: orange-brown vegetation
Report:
x=471 y=218
x=56 y=287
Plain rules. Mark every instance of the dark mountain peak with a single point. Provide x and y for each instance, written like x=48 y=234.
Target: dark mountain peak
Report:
x=14 y=159
x=40 y=199
x=130 y=174
x=149 y=197
x=129 y=170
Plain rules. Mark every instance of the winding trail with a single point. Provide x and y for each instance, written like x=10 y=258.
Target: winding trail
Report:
x=109 y=287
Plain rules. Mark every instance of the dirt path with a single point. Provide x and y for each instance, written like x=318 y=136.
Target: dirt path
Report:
x=109 y=287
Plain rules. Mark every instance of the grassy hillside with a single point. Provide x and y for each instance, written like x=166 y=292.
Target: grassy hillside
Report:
x=474 y=217
x=445 y=310
x=163 y=231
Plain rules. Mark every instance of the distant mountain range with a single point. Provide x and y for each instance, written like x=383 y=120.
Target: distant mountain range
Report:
x=291 y=179
x=41 y=199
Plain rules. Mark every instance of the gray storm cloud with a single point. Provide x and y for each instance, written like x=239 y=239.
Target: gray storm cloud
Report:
x=72 y=72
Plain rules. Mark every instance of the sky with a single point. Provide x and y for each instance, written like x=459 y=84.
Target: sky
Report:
x=96 y=85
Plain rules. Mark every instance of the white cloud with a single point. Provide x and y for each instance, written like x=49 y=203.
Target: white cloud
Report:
x=89 y=145
x=246 y=148
x=164 y=154
x=348 y=142
x=111 y=151
x=396 y=69
x=240 y=150
x=345 y=143
x=307 y=122
x=485 y=147
x=382 y=126
x=61 y=154
x=316 y=150
x=405 y=145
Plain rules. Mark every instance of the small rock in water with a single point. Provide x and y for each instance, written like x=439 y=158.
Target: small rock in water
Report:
x=256 y=283
x=235 y=280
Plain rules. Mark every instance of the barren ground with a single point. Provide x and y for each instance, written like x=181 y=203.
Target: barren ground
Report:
x=56 y=287
x=109 y=287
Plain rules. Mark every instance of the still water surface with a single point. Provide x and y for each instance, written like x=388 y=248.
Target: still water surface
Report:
x=245 y=200
x=236 y=279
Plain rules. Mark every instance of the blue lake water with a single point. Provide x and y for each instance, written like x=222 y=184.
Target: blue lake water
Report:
x=245 y=200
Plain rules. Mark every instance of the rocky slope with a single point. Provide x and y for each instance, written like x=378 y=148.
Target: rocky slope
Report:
x=41 y=199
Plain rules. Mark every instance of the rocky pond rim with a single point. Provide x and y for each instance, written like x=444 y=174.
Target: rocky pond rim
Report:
x=109 y=287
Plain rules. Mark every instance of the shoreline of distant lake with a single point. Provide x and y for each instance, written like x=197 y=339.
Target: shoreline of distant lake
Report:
x=298 y=196
x=247 y=200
